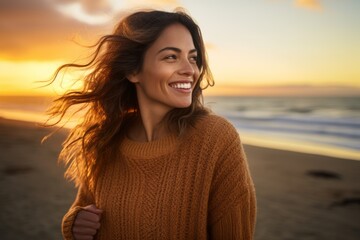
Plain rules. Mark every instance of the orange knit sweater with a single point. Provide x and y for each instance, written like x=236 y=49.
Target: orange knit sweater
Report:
x=196 y=186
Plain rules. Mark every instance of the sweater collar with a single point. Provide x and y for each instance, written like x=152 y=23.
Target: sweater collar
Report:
x=145 y=150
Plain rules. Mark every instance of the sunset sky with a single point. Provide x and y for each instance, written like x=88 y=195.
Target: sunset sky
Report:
x=257 y=47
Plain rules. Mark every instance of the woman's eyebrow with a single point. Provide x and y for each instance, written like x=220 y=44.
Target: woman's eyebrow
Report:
x=175 y=50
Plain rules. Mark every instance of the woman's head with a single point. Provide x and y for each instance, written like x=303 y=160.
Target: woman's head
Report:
x=169 y=71
x=136 y=33
x=109 y=92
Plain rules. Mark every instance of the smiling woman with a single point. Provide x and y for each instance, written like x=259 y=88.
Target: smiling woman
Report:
x=168 y=75
x=150 y=161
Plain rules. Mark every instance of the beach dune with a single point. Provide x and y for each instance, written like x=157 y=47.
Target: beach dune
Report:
x=300 y=196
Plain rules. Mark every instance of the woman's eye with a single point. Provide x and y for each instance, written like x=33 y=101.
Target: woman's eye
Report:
x=171 y=57
x=193 y=59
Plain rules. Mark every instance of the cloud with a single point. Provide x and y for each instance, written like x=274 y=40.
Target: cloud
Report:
x=100 y=11
x=77 y=11
x=45 y=29
x=309 y=4
x=35 y=30
x=90 y=6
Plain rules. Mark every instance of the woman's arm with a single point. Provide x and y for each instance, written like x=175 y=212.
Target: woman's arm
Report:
x=83 y=218
x=232 y=203
x=238 y=222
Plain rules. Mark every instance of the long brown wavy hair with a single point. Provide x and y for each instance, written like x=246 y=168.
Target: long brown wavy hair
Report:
x=110 y=98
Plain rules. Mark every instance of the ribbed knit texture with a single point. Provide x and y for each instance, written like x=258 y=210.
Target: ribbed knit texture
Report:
x=196 y=186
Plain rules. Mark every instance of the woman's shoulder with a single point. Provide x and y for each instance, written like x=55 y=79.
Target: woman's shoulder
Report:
x=215 y=125
x=212 y=120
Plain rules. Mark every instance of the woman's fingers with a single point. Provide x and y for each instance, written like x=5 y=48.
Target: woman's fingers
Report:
x=84 y=223
x=92 y=208
x=88 y=216
x=87 y=222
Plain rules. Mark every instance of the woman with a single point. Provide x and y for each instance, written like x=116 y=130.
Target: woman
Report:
x=149 y=160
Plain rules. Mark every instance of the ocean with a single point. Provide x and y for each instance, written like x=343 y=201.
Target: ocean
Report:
x=319 y=125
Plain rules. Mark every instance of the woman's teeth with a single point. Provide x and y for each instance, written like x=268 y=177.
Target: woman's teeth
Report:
x=181 y=85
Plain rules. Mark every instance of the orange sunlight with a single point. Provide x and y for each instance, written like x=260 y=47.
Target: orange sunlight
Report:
x=29 y=78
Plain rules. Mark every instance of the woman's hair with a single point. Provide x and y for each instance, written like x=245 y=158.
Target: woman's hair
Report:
x=110 y=98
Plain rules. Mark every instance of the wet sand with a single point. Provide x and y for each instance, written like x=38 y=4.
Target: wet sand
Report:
x=300 y=196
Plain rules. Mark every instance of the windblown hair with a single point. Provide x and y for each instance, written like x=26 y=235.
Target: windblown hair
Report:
x=110 y=98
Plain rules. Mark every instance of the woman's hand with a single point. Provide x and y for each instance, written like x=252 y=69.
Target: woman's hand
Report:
x=87 y=222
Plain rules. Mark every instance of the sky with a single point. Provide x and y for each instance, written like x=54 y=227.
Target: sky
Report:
x=257 y=47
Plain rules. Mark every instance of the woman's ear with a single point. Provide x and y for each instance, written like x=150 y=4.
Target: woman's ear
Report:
x=133 y=77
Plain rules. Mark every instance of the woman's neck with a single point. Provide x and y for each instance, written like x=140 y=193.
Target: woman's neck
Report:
x=145 y=130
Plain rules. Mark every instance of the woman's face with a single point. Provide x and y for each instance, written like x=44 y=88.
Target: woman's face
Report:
x=169 y=72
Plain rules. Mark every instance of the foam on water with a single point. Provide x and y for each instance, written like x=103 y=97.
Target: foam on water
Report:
x=321 y=125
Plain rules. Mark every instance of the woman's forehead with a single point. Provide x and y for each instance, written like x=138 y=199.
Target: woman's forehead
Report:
x=175 y=36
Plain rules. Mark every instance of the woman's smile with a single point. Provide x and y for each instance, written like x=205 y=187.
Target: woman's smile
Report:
x=182 y=86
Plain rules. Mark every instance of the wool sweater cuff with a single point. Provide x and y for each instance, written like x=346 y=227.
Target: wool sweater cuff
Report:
x=68 y=222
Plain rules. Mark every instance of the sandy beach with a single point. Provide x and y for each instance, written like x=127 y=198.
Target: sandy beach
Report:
x=300 y=196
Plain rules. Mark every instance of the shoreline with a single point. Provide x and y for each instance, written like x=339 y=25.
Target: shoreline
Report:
x=253 y=140
x=299 y=196
x=18 y=122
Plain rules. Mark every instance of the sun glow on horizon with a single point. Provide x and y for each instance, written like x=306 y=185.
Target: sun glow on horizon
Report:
x=33 y=78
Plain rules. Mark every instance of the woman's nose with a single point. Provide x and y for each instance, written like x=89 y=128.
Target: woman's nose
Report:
x=186 y=68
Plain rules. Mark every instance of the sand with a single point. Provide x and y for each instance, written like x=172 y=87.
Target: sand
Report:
x=300 y=196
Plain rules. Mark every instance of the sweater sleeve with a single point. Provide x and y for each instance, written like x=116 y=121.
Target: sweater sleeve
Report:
x=238 y=222
x=83 y=198
x=232 y=203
